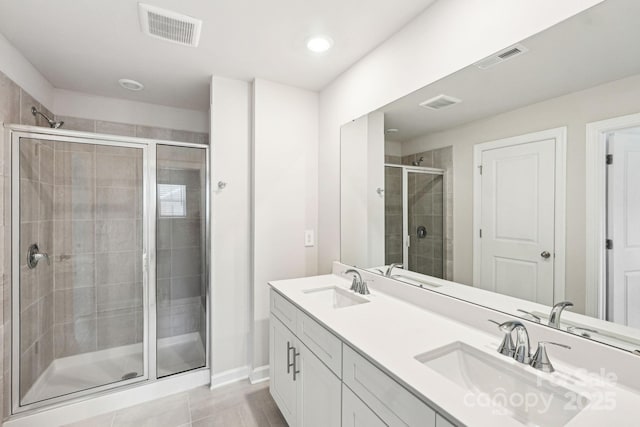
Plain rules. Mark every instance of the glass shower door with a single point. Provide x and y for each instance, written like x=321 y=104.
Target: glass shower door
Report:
x=78 y=301
x=181 y=291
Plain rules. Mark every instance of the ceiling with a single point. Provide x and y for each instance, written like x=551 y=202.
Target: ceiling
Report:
x=86 y=46
x=592 y=48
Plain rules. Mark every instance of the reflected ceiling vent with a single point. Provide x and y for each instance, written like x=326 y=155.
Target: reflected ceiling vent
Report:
x=503 y=55
x=168 y=25
x=439 y=102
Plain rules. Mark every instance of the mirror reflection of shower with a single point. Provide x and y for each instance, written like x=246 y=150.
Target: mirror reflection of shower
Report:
x=415 y=218
x=53 y=124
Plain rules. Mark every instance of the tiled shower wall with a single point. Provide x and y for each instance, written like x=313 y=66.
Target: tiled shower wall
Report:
x=441 y=158
x=181 y=284
x=392 y=215
x=97 y=248
x=15 y=106
x=36 y=292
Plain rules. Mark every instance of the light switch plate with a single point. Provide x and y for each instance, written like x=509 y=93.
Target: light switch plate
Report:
x=308 y=238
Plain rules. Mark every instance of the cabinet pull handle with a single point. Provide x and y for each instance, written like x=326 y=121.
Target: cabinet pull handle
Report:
x=289 y=364
x=295 y=365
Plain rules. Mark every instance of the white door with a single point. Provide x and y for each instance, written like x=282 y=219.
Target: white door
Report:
x=517 y=220
x=624 y=228
x=318 y=391
x=282 y=387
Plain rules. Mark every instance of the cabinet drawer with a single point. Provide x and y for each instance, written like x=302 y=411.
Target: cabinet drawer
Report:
x=389 y=400
x=283 y=310
x=355 y=413
x=321 y=342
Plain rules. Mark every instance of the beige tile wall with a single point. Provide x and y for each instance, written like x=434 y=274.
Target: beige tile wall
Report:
x=15 y=106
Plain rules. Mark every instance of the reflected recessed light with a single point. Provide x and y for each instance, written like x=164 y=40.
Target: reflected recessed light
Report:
x=393 y=130
x=319 y=44
x=131 y=84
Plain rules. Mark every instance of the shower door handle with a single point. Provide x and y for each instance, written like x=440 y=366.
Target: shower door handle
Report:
x=34 y=256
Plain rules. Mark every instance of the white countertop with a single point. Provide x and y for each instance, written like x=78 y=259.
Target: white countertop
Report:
x=390 y=333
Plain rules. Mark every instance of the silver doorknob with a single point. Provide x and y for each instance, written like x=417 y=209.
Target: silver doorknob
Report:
x=545 y=254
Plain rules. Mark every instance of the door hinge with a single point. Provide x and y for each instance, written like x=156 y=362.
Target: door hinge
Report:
x=481 y=233
x=480 y=169
x=609 y=159
x=609 y=244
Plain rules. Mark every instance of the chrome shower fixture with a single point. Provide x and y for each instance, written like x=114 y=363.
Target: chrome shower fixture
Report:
x=418 y=162
x=54 y=125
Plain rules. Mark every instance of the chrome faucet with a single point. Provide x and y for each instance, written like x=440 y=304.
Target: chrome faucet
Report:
x=556 y=311
x=521 y=350
x=358 y=285
x=391 y=267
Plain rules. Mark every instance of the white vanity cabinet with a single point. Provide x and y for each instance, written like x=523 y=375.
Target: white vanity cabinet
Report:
x=317 y=380
x=307 y=392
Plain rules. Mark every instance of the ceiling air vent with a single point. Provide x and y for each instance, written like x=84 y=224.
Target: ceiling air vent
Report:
x=503 y=55
x=168 y=25
x=439 y=102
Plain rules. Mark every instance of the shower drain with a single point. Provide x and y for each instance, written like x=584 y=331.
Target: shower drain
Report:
x=129 y=375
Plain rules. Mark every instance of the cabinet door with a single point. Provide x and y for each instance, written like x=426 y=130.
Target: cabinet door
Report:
x=319 y=391
x=282 y=386
x=355 y=413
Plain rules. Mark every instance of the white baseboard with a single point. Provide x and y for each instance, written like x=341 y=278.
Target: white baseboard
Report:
x=228 y=377
x=259 y=374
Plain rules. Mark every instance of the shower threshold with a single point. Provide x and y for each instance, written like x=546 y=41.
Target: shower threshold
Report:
x=87 y=370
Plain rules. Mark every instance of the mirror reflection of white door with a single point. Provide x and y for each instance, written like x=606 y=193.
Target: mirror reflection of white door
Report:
x=624 y=227
x=516 y=245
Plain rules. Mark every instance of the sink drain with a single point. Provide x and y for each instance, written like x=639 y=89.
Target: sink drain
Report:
x=129 y=375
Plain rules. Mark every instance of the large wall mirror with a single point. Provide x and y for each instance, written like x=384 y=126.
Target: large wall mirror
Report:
x=513 y=183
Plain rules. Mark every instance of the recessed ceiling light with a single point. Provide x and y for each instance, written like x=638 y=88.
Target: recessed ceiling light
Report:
x=131 y=84
x=319 y=44
x=393 y=130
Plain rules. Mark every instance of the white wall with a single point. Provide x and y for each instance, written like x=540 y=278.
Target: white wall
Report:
x=362 y=208
x=445 y=38
x=575 y=110
x=231 y=225
x=25 y=75
x=285 y=179
x=94 y=107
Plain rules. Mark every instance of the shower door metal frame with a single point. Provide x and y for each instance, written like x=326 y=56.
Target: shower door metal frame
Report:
x=149 y=218
x=406 y=238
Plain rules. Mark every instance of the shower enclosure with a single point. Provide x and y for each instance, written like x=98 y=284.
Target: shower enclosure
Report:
x=415 y=219
x=109 y=262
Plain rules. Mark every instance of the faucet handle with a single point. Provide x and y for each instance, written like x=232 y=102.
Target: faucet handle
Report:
x=540 y=359
x=506 y=347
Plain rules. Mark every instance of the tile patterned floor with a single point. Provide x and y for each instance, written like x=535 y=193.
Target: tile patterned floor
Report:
x=236 y=405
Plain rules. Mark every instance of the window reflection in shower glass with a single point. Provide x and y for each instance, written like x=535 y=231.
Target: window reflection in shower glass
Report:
x=81 y=314
x=181 y=276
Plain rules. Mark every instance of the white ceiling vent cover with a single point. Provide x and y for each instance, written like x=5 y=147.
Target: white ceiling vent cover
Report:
x=439 y=102
x=168 y=25
x=503 y=55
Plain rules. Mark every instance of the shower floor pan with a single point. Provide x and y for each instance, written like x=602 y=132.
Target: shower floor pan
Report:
x=81 y=372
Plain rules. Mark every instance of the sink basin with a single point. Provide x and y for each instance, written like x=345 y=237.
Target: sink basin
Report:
x=335 y=297
x=506 y=389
